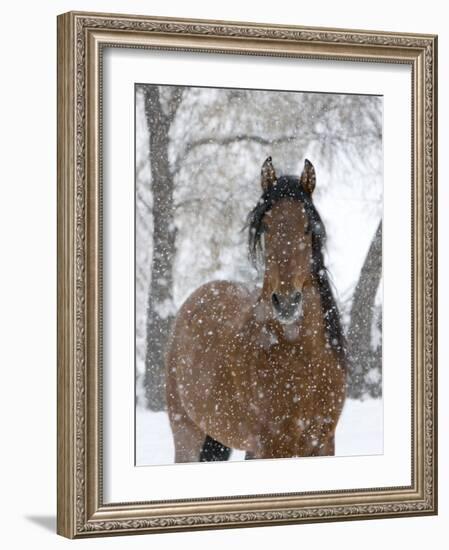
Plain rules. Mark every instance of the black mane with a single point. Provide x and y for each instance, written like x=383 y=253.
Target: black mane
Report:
x=291 y=188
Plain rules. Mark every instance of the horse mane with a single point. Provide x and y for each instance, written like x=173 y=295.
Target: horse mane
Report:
x=290 y=187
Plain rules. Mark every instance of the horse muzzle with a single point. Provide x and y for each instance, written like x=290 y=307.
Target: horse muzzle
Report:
x=287 y=308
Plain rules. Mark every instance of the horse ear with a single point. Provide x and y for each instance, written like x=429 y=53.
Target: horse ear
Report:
x=308 y=177
x=268 y=175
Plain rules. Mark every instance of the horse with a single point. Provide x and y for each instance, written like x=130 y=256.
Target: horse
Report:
x=262 y=371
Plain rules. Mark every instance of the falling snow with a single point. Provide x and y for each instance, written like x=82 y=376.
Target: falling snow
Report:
x=217 y=141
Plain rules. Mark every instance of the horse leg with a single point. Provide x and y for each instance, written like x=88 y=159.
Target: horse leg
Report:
x=187 y=437
x=318 y=441
x=326 y=448
x=191 y=444
x=213 y=451
x=329 y=447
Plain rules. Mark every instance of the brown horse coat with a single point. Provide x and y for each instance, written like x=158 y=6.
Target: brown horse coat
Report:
x=260 y=371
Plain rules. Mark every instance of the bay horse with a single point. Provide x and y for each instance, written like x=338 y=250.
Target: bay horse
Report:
x=262 y=371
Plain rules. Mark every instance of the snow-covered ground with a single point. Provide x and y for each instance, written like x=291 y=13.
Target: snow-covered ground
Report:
x=359 y=432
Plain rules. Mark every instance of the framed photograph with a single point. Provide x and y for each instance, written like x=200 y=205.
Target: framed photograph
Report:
x=246 y=274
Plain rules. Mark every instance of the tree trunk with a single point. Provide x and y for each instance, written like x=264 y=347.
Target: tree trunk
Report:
x=365 y=361
x=160 y=308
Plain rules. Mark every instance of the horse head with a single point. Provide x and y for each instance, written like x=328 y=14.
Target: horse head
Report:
x=288 y=231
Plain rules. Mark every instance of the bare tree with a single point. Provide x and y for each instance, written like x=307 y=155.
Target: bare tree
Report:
x=160 y=116
x=365 y=359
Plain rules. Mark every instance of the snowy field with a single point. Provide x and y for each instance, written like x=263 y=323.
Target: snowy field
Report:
x=360 y=432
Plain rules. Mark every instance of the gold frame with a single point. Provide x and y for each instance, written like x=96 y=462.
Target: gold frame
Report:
x=81 y=37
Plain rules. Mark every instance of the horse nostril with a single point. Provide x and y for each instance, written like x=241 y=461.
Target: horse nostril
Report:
x=297 y=297
x=275 y=300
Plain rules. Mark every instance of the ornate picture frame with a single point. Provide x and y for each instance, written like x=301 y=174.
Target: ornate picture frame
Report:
x=82 y=40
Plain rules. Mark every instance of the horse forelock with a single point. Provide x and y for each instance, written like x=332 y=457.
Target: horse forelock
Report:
x=289 y=187
x=286 y=187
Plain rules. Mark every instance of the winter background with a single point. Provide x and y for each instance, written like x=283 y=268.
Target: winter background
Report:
x=198 y=157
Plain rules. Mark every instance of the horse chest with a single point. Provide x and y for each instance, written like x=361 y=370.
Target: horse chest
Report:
x=288 y=379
